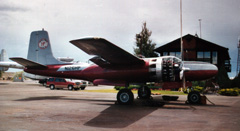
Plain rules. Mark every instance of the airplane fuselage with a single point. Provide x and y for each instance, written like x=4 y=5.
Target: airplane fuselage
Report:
x=159 y=69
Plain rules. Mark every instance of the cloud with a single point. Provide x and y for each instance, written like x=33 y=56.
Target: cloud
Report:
x=12 y=8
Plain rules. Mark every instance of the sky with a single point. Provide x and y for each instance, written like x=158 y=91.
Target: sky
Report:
x=118 y=22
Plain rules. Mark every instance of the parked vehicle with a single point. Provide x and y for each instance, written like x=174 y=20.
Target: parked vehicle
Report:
x=57 y=83
x=82 y=83
x=43 y=82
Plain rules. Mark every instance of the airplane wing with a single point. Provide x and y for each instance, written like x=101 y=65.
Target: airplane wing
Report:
x=107 y=54
x=11 y=65
x=28 y=63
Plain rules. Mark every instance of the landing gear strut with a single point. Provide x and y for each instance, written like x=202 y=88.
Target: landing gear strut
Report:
x=144 y=92
x=125 y=97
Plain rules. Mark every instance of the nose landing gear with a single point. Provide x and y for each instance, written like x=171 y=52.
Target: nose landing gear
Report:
x=194 y=97
x=144 y=92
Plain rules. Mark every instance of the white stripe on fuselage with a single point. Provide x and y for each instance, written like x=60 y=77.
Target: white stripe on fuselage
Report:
x=74 y=67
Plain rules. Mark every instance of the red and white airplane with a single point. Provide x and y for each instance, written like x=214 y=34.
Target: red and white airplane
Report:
x=113 y=66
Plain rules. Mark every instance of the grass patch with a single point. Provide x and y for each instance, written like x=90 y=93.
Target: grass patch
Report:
x=135 y=91
x=102 y=91
x=168 y=92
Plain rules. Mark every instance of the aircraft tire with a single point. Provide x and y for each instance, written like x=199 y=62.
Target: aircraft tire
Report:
x=52 y=87
x=144 y=92
x=125 y=97
x=194 y=97
x=70 y=87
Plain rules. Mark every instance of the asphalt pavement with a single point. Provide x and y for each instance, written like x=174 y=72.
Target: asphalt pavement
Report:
x=30 y=106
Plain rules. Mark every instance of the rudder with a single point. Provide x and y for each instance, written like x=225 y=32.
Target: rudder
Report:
x=40 y=49
x=3 y=56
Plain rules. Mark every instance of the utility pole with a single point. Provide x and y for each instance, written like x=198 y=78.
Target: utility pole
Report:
x=238 y=59
x=182 y=51
x=181 y=42
x=200 y=27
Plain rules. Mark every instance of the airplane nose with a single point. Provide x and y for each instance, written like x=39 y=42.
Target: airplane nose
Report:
x=200 y=71
x=212 y=69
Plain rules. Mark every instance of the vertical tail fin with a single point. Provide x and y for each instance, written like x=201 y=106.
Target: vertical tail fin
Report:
x=40 y=49
x=3 y=56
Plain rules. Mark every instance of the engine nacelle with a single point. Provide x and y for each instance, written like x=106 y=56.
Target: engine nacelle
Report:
x=165 y=69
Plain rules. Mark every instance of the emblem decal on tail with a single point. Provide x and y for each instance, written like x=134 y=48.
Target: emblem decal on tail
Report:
x=43 y=44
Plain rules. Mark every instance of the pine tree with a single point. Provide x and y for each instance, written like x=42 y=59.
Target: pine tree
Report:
x=222 y=78
x=144 y=43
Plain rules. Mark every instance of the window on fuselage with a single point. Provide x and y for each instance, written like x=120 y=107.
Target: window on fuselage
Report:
x=153 y=66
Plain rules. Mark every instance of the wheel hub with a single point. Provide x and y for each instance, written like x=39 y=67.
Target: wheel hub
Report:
x=124 y=97
x=194 y=98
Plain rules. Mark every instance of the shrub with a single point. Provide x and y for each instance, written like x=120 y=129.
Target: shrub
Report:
x=229 y=92
x=194 y=88
x=135 y=87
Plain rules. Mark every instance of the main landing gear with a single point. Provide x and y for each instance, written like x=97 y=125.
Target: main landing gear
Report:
x=126 y=97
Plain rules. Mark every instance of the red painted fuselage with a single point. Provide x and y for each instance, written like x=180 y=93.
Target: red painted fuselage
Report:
x=120 y=75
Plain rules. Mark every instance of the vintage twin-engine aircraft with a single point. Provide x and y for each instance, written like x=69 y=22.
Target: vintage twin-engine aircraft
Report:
x=113 y=66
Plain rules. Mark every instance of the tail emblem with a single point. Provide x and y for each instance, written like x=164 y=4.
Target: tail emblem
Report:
x=43 y=44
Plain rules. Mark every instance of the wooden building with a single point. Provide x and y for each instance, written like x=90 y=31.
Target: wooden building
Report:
x=197 y=49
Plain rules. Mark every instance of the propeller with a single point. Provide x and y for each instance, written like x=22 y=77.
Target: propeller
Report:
x=183 y=70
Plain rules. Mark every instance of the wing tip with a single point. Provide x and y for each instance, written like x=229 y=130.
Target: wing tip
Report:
x=86 y=39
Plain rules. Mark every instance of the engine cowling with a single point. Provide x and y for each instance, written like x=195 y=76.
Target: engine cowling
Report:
x=165 y=69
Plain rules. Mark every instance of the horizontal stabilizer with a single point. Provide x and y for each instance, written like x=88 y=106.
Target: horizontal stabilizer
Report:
x=8 y=64
x=27 y=63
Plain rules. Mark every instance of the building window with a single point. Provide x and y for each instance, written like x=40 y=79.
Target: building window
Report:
x=177 y=54
x=204 y=56
x=172 y=53
x=207 y=55
x=214 y=57
x=227 y=65
x=165 y=53
x=200 y=55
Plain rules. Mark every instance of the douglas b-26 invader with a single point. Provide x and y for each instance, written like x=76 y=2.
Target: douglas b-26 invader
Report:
x=113 y=66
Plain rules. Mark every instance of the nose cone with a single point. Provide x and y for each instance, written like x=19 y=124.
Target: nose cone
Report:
x=200 y=71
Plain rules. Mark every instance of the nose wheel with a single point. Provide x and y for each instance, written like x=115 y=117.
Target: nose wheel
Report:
x=194 y=97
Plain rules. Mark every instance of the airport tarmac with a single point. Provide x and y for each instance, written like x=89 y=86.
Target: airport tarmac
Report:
x=30 y=106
